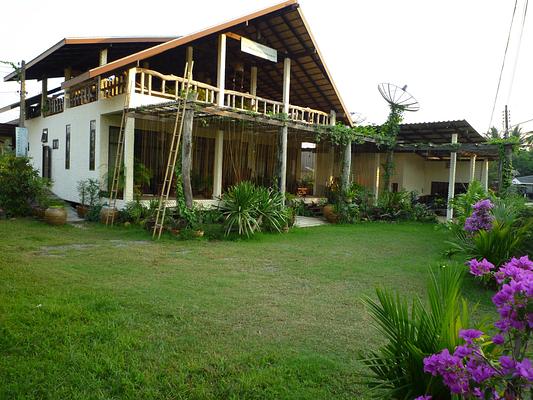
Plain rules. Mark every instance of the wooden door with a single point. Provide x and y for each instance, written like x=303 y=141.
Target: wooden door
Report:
x=47 y=162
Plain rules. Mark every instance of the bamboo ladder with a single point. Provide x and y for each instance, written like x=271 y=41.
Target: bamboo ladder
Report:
x=173 y=154
x=113 y=193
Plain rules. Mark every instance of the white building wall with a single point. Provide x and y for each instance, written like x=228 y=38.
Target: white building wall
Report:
x=65 y=181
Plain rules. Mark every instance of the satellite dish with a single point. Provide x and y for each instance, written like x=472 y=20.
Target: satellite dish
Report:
x=357 y=118
x=398 y=97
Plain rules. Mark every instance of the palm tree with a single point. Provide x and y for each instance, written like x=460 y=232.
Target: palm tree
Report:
x=493 y=133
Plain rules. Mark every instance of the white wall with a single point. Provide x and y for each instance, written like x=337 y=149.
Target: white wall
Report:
x=65 y=181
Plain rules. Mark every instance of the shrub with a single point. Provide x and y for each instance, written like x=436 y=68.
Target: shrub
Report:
x=413 y=332
x=248 y=209
x=20 y=185
x=463 y=203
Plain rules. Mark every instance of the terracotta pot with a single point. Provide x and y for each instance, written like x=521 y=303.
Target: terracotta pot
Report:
x=55 y=216
x=108 y=211
x=175 y=231
x=198 y=233
x=82 y=210
x=329 y=213
x=38 y=212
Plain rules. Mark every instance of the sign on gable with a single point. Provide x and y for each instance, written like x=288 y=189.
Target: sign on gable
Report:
x=258 y=50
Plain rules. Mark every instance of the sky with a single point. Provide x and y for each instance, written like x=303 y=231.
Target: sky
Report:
x=449 y=53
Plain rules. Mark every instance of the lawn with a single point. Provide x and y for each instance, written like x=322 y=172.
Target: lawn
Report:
x=97 y=313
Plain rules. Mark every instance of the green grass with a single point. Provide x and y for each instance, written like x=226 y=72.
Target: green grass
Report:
x=100 y=313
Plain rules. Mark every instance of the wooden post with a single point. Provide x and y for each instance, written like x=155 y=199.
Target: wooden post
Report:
x=68 y=76
x=346 y=167
x=221 y=69
x=283 y=131
x=22 y=107
x=472 y=169
x=451 y=180
x=485 y=175
x=217 y=170
x=377 y=177
x=129 y=146
x=189 y=55
x=44 y=96
x=186 y=150
x=253 y=81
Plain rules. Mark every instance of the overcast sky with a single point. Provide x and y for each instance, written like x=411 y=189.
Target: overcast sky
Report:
x=449 y=53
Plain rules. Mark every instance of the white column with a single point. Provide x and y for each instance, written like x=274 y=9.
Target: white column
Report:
x=103 y=57
x=472 y=169
x=286 y=84
x=451 y=180
x=332 y=117
x=283 y=132
x=217 y=170
x=377 y=177
x=129 y=138
x=221 y=69
x=485 y=175
x=253 y=81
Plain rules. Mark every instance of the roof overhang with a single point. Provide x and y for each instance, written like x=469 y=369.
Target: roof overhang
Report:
x=82 y=54
x=282 y=27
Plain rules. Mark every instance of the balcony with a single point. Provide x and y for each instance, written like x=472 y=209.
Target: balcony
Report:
x=53 y=105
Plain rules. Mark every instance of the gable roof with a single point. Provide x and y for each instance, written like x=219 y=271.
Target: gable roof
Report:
x=439 y=132
x=82 y=54
x=281 y=26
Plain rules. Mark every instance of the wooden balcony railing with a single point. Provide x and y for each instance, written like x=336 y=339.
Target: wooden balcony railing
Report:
x=153 y=83
x=53 y=105
x=84 y=93
x=113 y=85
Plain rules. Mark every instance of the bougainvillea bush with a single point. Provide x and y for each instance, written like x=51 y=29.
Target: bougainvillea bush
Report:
x=497 y=367
x=494 y=238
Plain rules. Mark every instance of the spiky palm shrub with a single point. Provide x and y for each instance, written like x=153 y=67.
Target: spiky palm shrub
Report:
x=413 y=331
x=239 y=207
x=271 y=210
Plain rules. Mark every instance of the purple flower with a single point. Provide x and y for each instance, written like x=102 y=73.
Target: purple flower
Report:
x=508 y=364
x=479 y=370
x=481 y=218
x=425 y=397
x=478 y=268
x=498 y=339
x=525 y=369
x=462 y=351
x=469 y=335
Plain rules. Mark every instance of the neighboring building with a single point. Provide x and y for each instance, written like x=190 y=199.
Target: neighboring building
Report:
x=7 y=137
x=525 y=185
x=256 y=77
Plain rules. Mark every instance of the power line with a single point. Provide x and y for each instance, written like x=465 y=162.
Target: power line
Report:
x=517 y=52
x=503 y=64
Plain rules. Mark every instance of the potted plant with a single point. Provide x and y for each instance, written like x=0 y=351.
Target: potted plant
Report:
x=42 y=199
x=56 y=214
x=82 y=208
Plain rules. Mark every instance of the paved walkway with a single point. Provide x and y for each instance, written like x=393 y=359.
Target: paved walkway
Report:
x=307 y=222
x=72 y=215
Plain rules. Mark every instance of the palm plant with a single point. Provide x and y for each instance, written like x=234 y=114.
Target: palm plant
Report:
x=239 y=209
x=412 y=333
x=270 y=205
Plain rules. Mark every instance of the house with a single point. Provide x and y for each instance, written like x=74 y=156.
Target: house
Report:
x=262 y=90
x=7 y=137
x=525 y=185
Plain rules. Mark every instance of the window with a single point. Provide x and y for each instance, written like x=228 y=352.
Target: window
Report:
x=67 y=147
x=92 y=145
x=55 y=144
x=44 y=136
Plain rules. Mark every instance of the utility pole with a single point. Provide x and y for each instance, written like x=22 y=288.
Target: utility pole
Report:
x=22 y=107
x=506 y=122
x=505 y=164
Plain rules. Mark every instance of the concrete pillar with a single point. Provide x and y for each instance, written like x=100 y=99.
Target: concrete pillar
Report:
x=221 y=69
x=485 y=175
x=131 y=82
x=332 y=117
x=217 y=170
x=129 y=146
x=103 y=57
x=377 y=177
x=451 y=180
x=472 y=169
